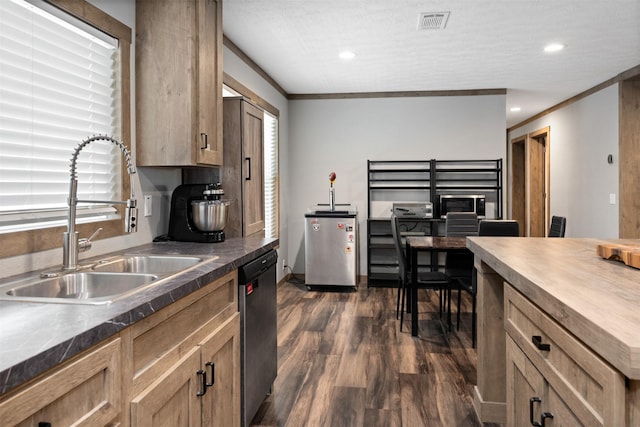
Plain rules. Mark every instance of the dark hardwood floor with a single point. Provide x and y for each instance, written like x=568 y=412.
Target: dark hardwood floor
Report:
x=342 y=361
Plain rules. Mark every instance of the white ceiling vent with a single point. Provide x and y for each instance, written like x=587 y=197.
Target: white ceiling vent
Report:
x=433 y=20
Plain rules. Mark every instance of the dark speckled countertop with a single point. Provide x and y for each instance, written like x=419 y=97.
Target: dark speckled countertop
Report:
x=35 y=337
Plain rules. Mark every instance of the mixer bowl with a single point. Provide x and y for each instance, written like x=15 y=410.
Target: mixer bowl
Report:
x=210 y=215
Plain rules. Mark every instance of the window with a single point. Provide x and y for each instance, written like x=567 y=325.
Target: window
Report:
x=61 y=80
x=271 y=211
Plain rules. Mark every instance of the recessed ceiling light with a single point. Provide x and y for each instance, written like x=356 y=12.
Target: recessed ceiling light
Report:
x=347 y=55
x=553 y=47
x=514 y=109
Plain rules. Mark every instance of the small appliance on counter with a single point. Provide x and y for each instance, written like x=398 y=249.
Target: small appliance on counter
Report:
x=422 y=210
x=462 y=203
x=331 y=244
x=198 y=214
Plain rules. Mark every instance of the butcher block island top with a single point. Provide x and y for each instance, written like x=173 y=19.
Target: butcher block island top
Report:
x=595 y=299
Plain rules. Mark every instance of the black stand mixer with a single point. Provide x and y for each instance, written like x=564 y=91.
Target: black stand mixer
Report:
x=198 y=214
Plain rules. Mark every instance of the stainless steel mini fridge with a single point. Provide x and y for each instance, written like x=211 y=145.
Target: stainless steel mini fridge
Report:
x=331 y=248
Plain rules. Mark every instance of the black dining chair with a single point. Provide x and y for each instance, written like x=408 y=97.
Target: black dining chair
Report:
x=557 y=227
x=459 y=264
x=507 y=228
x=435 y=280
x=498 y=227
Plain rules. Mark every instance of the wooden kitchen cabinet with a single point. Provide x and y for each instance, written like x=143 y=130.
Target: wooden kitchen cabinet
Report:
x=201 y=389
x=172 y=399
x=170 y=352
x=220 y=356
x=243 y=170
x=567 y=381
x=85 y=391
x=179 y=82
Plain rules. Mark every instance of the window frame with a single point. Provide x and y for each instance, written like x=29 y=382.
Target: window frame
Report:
x=29 y=241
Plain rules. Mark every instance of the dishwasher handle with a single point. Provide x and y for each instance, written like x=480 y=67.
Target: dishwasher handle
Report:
x=254 y=269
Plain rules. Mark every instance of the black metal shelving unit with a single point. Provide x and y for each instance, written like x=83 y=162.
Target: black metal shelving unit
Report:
x=470 y=177
x=392 y=181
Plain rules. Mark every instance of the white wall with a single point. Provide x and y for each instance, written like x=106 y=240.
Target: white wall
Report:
x=340 y=135
x=582 y=135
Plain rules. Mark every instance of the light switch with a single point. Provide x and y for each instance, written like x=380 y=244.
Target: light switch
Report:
x=148 y=205
x=612 y=198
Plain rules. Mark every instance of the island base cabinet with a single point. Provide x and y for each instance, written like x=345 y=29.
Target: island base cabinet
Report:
x=530 y=399
x=552 y=378
x=83 y=392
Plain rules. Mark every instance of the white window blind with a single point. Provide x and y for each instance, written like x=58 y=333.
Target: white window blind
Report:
x=271 y=175
x=58 y=85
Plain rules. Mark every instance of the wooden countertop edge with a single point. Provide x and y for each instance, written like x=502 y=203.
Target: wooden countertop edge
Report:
x=623 y=356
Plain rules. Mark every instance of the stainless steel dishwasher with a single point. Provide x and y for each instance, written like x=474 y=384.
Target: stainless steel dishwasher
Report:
x=258 y=328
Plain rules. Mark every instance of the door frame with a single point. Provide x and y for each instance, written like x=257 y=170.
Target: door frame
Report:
x=518 y=187
x=523 y=173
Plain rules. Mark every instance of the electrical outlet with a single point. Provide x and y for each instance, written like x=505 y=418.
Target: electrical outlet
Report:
x=148 y=205
x=284 y=264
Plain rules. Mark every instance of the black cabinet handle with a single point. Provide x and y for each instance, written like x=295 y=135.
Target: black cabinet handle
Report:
x=531 y=402
x=44 y=424
x=537 y=341
x=203 y=377
x=212 y=373
x=248 y=159
x=544 y=417
x=205 y=139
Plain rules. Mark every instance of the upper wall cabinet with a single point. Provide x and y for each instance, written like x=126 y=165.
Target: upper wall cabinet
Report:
x=179 y=82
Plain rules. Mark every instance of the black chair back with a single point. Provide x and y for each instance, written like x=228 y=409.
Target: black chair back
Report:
x=397 y=241
x=558 y=225
x=493 y=227
x=461 y=224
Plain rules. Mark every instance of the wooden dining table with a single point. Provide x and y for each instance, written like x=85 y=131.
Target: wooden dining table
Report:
x=433 y=244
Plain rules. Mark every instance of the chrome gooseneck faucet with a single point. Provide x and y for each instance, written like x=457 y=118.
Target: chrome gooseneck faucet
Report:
x=71 y=243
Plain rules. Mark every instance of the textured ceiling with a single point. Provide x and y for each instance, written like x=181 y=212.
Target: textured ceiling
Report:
x=486 y=45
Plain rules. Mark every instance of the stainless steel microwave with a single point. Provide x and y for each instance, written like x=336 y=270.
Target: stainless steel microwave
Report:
x=462 y=203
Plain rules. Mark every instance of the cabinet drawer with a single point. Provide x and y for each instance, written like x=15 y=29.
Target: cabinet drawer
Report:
x=83 y=392
x=160 y=340
x=590 y=387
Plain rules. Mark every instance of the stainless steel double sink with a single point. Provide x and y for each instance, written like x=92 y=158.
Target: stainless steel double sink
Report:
x=101 y=282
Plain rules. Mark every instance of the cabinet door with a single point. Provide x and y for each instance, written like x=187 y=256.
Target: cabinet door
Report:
x=172 y=400
x=209 y=147
x=85 y=392
x=253 y=183
x=178 y=82
x=221 y=361
x=524 y=383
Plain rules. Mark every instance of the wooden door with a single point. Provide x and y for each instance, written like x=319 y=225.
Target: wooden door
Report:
x=530 y=183
x=253 y=158
x=172 y=399
x=209 y=141
x=537 y=147
x=518 y=183
x=221 y=361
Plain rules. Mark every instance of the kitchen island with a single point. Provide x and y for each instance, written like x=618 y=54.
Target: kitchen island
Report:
x=558 y=332
x=126 y=353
